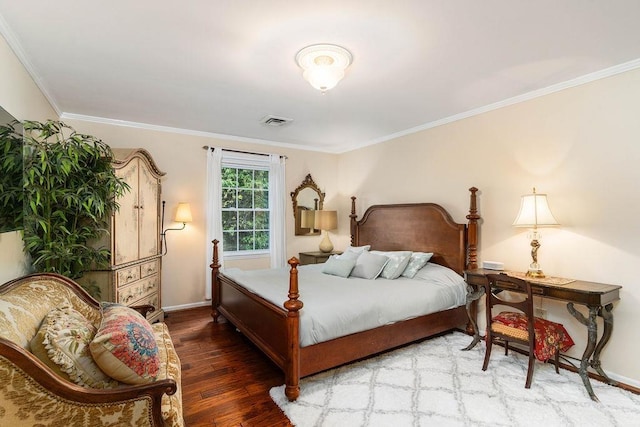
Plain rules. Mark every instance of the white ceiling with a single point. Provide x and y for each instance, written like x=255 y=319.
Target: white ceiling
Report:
x=219 y=66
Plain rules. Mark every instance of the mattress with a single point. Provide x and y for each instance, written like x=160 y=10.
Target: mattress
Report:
x=336 y=307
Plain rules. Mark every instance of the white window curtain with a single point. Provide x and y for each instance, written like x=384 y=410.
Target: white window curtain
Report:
x=277 y=203
x=277 y=206
x=213 y=209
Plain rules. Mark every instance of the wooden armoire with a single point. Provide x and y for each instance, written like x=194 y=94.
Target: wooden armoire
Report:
x=133 y=276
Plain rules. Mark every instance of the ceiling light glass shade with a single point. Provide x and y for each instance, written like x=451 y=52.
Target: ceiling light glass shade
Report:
x=534 y=212
x=323 y=65
x=323 y=78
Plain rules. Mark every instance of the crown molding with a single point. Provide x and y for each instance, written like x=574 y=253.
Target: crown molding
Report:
x=168 y=129
x=16 y=47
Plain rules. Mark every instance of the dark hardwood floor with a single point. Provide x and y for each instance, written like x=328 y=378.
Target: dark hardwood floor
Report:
x=225 y=379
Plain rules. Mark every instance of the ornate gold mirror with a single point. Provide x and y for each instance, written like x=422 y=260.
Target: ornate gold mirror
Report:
x=307 y=199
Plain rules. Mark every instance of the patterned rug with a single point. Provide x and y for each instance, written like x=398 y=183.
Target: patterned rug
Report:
x=434 y=383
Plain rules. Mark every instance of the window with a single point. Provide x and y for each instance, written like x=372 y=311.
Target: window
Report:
x=245 y=209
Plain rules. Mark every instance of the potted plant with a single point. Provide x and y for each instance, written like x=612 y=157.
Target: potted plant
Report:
x=11 y=192
x=70 y=192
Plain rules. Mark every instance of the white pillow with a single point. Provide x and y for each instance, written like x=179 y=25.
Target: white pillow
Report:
x=348 y=255
x=358 y=249
x=398 y=261
x=338 y=266
x=369 y=265
x=417 y=261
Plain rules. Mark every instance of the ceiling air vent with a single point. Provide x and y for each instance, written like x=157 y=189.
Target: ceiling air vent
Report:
x=275 y=121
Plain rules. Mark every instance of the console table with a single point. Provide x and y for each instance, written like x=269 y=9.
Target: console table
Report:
x=597 y=297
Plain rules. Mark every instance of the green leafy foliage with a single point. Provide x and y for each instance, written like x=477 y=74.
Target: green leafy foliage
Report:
x=11 y=193
x=245 y=209
x=71 y=191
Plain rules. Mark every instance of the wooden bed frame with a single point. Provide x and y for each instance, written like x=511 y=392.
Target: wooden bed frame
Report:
x=425 y=227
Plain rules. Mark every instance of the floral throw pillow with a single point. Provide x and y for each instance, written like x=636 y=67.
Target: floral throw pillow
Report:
x=124 y=346
x=62 y=343
x=416 y=262
x=398 y=261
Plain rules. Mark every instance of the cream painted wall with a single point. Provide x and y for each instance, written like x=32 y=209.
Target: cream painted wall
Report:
x=184 y=161
x=20 y=96
x=580 y=146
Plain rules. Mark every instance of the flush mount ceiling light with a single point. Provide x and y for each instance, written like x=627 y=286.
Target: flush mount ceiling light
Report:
x=323 y=64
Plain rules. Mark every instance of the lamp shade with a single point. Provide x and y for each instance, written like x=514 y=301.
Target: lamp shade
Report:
x=326 y=220
x=534 y=212
x=183 y=213
x=307 y=218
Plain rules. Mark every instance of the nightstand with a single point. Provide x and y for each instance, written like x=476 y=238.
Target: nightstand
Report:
x=315 y=257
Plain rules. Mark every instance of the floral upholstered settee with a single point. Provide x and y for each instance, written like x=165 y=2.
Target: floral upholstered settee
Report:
x=43 y=383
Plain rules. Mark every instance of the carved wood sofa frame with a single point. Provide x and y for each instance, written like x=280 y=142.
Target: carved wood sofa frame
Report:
x=50 y=393
x=424 y=227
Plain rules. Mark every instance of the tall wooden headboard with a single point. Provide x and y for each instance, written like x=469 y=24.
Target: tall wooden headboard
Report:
x=423 y=227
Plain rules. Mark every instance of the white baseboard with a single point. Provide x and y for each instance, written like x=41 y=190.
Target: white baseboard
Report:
x=623 y=380
x=186 y=306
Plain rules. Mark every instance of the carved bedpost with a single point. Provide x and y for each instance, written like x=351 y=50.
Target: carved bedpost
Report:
x=472 y=230
x=293 y=306
x=353 y=217
x=215 y=289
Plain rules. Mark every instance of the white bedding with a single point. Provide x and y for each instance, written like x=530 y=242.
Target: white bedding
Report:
x=335 y=307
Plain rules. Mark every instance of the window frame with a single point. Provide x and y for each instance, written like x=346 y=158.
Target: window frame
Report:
x=253 y=162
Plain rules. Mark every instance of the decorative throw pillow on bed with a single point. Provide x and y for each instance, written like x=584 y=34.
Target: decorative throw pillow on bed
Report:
x=357 y=250
x=62 y=343
x=124 y=346
x=339 y=266
x=369 y=265
x=398 y=261
x=417 y=261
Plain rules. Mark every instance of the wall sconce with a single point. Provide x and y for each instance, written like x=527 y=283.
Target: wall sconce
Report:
x=325 y=221
x=183 y=215
x=323 y=65
x=534 y=213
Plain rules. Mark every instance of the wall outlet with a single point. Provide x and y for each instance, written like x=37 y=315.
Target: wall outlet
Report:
x=540 y=312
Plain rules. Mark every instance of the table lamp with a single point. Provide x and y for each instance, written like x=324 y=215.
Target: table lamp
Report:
x=534 y=213
x=325 y=221
x=308 y=219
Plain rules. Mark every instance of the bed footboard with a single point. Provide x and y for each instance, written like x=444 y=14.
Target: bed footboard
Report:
x=275 y=330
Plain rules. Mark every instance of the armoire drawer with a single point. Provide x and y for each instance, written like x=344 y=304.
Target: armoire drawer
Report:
x=128 y=275
x=149 y=299
x=149 y=268
x=140 y=289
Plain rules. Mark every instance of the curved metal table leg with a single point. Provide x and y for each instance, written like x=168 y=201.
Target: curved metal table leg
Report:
x=607 y=316
x=592 y=336
x=473 y=295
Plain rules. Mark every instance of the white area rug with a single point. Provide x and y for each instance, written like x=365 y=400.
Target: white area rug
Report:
x=433 y=383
